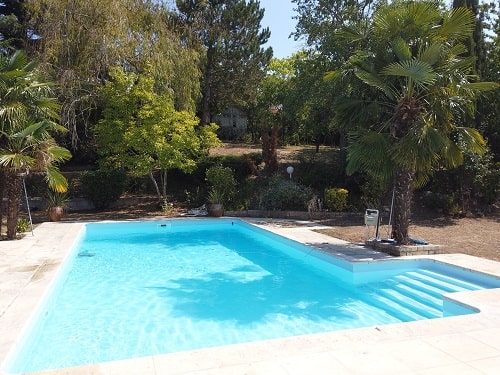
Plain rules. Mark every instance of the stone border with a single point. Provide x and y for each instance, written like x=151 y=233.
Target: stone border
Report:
x=404 y=250
x=301 y=215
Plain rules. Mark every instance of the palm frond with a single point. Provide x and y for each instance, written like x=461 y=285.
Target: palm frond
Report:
x=417 y=70
x=351 y=113
x=56 y=180
x=353 y=34
x=368 y=152
x=456 y=50
x=452 y=155
x=16 y=161
x=431 y=54
x=481 y=86
x=420 y=149
x=373 y=79
x=458 y=23
x=58 y=154
x=401 y=49
x=17 y=61
x=331 y=75
x=472 y=139
x=462 y=65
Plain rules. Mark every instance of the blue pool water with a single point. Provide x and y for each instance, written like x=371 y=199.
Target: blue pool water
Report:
x=137 y=289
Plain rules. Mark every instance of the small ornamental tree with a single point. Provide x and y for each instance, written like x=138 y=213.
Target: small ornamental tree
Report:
x=142 y=132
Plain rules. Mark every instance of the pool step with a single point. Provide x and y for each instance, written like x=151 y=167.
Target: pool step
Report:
x=394 y=308
x=415 y=295
x=450 y=282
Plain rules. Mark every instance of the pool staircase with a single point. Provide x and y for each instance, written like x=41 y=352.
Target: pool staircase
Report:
x=414 y=295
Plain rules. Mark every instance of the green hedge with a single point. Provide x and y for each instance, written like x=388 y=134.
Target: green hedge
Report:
x=336 y=198
x=103 y=187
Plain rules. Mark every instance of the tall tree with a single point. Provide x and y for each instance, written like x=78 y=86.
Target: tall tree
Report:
x=235 y=62
x=27 y=118
x=411 y=57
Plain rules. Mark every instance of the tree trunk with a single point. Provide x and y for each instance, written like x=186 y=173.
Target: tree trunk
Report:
x=207 y=90
x=164 y=183
x=269 y=150
x=14 y=190
x=403 y=194
x=155 y=184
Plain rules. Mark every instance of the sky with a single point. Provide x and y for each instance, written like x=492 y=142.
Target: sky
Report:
x=278 y=17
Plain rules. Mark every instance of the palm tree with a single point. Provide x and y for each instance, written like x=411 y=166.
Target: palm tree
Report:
x=413 y=89
x=27 y=118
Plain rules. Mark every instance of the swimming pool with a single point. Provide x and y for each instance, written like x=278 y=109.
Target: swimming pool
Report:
x=180 y=286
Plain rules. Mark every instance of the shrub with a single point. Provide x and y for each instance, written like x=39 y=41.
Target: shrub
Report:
x=23 y=225
x=336 y=198
x=222 y=182
x=284 y=194
x=103 y=187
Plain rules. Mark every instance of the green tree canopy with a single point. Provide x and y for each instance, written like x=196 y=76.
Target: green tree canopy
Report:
x=407 y=121
x=80 y=40
x=142 y=131
x=230 y=33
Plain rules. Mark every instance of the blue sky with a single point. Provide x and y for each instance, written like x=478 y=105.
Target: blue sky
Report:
x=278 y=17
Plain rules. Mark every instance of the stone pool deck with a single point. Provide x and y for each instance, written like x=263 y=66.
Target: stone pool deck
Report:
x=468 y=344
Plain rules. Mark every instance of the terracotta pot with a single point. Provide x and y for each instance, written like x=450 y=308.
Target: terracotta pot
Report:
x=55 y=213
x=216 y=209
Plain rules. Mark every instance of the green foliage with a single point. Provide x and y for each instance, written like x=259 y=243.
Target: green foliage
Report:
x=446 y=203
x=166 y=206
x=231 y=33
x=23 y=225
x=336 y=198
x=103 y=187
x=215 y=196
x=28 y=115
x=474 y=185
x=408 y=93
x=82 y=39
x=373 y=191
x=285 y=194
x=12 y=30
x=239 y=164
x=490 y=187
x=56 y=199
x=142 y=132
x=222 y=184
x=321 y=169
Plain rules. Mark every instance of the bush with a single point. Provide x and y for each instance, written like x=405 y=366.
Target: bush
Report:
x=23 y=225
x=103 y=187
x=283 y=194
x=222 y=182
x=336 y=198
x=319 y=170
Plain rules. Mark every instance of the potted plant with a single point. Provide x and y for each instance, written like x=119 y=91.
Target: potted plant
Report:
x=56 y=204
x=222 y=190
x=215 y=203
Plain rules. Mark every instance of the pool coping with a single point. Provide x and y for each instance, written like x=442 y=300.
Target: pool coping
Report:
x=468 y=343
